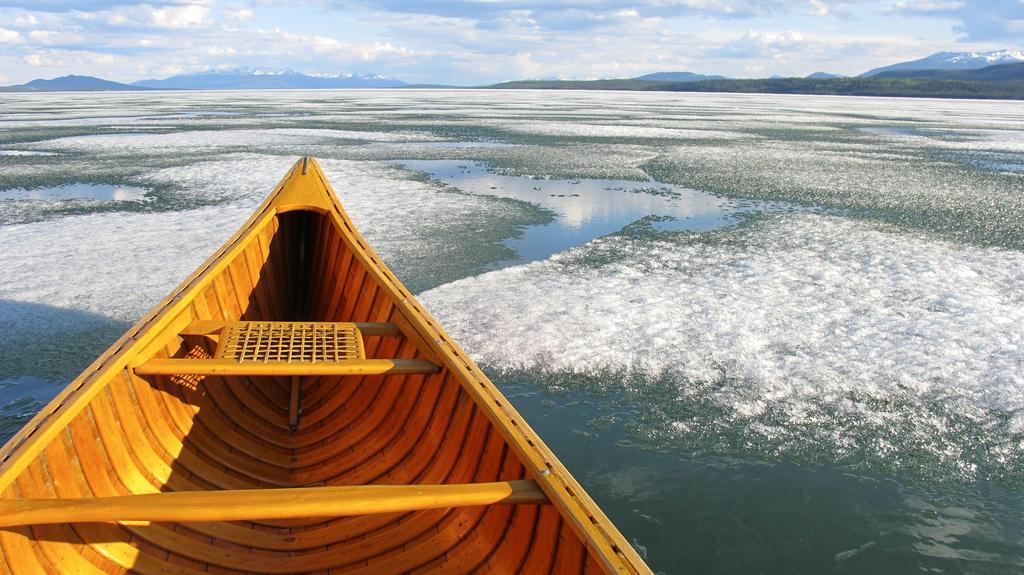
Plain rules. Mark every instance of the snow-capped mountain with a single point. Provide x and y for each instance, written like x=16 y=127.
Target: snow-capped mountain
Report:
x=266 y=78
x=955 y=61
x=677 y=77
x=348 y=75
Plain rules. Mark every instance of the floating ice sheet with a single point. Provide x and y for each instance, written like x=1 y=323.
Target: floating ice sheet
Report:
x=17 y=153
x=199 y=139
x=916 y=187
x=119 y=264
x=798 y=334
x=618 y=131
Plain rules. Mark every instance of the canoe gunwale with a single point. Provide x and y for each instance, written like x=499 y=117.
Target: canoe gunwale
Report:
x=583 y=514
x=585 y=518
x=17 y=453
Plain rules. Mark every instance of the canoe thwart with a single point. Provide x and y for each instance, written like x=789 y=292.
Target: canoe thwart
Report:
x=295 y=348
x=222 y=367
x=367 y=329
x=303 y=342
x=261 y=504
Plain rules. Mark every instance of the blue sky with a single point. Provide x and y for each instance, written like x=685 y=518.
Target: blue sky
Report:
x=473 y=42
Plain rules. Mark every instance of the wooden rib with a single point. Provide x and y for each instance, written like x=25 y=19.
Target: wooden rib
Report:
x=226 y=367
x=337 y=399
x=208 y=454
x=449 y=532
x=57 y=545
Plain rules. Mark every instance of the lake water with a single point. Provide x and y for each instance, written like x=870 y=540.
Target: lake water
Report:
x=768 y=334
x=585 y=208
x=75 y=191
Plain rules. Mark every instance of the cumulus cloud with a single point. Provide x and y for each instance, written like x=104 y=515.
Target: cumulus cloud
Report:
x=56 y=38
x=56 y=57
x=818 y=8
x=83 y=5
x=753 y=44
x=26 y=20
x=10 y=36
x=554 y=15
x=924 y=7
x=279 y=42
x=188 y=16
x=238 y=14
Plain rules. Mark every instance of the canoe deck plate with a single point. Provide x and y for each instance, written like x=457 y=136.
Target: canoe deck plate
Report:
x=292 y=342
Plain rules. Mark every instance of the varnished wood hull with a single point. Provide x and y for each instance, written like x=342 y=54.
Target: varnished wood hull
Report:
x=114 y=432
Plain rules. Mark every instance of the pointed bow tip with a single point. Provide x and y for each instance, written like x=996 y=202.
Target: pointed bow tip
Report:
x=304 y=188
x=306 y=164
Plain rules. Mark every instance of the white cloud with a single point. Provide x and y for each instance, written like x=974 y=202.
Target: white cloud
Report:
x=278 y=42
x=238 y=14
x=221 y=51
x=760 y=44
x=924 y=6
x=50 y=37
x=59 y=58
x=10 y=36
x=26 y=21
x=190 y=16
x=818 y=8
x=161 y=71
x=124 y=18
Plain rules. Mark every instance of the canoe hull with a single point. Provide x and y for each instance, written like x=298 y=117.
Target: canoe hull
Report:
x=115 y=432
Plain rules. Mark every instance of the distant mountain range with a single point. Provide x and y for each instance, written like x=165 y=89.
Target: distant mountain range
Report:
x=823 y=76
x=1003 y=81
x=953 y=61
x=265 y=79
x=997 y=74
x=216 y=79
x=677 y=77
x=71 y=84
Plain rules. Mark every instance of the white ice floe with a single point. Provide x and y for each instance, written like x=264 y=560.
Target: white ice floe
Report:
x=613 y=130
x=25 y=153
x=120 y=264
x=805 y=298
x=207 y=139
x=113 y=264
x=803 y=326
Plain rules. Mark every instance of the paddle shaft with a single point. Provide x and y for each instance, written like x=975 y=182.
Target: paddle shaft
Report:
x=255 y=504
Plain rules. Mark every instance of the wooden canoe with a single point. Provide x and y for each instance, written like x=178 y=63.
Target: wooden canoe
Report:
x=291 y=408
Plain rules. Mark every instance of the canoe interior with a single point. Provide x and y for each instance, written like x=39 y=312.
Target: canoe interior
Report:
x=146 y=434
